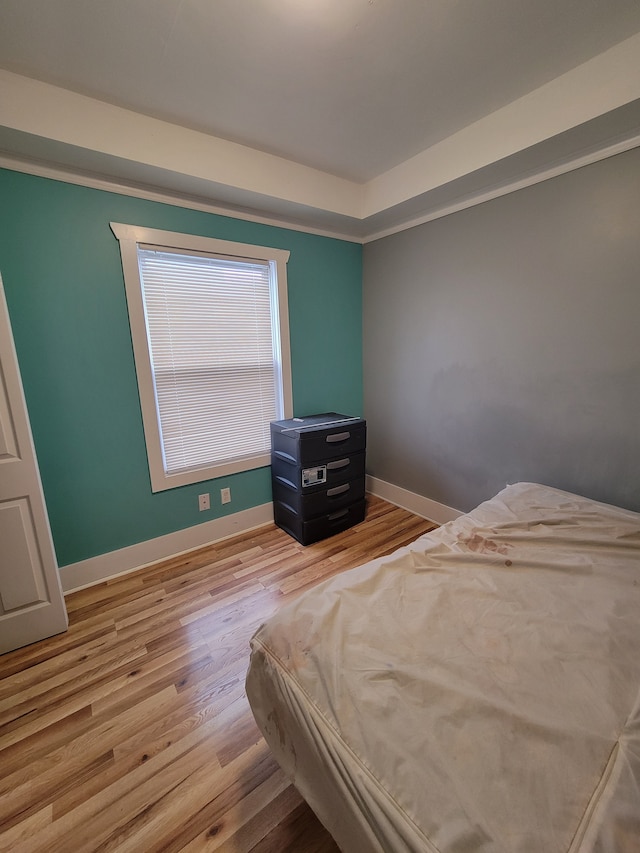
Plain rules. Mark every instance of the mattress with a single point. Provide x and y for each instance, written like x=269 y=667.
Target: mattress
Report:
x=478 y=690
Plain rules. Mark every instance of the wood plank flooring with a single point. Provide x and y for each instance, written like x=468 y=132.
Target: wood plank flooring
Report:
x=132 y=732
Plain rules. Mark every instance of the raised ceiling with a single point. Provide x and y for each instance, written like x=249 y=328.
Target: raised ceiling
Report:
x=348 y=115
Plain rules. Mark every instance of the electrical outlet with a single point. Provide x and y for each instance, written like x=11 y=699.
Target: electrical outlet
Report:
x=204 y=502
x=225 y=496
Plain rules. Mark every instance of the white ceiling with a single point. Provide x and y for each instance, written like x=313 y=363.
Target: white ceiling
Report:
x=376 y=99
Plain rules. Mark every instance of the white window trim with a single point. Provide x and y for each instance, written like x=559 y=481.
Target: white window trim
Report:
x=129 y=236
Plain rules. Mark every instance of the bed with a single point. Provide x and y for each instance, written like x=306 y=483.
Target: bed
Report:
x=477 y=690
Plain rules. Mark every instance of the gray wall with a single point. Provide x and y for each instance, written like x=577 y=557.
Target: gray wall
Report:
x=502 y=343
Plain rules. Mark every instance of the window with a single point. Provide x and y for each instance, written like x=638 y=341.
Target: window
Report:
x=210 y=334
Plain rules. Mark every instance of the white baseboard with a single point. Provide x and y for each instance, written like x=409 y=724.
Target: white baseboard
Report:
x=425 y=507
x=105 y=566
x=89 y=572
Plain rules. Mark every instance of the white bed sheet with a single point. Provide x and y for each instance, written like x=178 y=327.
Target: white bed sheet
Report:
x=475 y=691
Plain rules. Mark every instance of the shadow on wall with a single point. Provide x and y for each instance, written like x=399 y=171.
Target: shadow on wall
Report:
x=569 y=430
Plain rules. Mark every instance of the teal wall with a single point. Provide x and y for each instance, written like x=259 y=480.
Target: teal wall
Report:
x=62 y=275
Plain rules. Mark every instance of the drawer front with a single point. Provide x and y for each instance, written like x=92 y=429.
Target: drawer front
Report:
x=331 y=442
x=337 y=442
x=321 y=527
x=333 y=472
x=320 y=501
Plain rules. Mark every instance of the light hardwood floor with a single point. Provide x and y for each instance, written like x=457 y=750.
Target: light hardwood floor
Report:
x=132 y=732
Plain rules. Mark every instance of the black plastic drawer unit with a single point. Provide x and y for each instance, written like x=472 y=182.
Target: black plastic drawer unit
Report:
x=318 y=474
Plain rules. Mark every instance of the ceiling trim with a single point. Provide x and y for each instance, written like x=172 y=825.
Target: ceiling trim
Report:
x=96 y=182
x=52 y=172
x=62 y=117
x=510 y=187
x=603 y=84
x=585 y=115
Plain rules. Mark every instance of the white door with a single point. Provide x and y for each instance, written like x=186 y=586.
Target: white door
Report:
x=31 y=601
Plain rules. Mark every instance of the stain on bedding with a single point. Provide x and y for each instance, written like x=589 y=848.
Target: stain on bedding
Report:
x=291 y=642
x=484 y=545
x=269 y=711
x=273 y=723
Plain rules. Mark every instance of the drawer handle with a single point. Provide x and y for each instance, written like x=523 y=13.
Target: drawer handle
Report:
x=338 y=436
x=338 y=515
x=338 y=463
x=338 y=490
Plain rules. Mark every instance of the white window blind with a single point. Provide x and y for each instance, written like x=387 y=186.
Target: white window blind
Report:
x=210 y=329
x=210 y=334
